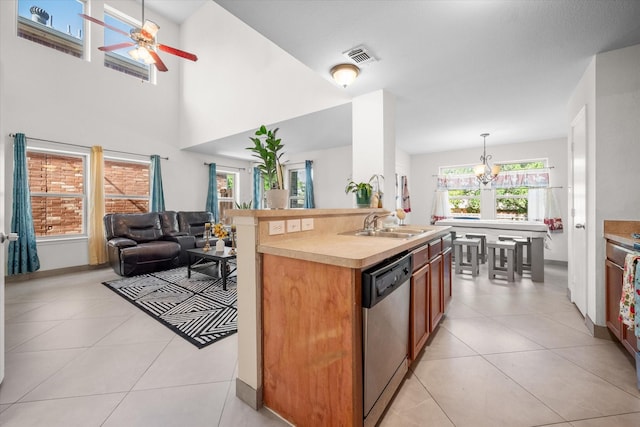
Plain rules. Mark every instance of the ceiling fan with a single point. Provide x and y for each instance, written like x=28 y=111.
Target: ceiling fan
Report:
x=145 y=41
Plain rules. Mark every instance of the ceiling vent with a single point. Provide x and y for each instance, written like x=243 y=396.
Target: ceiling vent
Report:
x=359 y=55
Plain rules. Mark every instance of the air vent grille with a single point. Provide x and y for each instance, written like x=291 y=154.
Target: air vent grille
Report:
x=360 y=55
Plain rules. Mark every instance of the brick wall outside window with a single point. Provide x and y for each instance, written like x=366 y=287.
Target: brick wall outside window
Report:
x=126 y=187
x=56 y=183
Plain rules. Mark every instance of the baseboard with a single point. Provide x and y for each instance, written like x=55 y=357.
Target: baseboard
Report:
x=556 y=262
x=52 y=273
x=597 y=331
x=248 y=394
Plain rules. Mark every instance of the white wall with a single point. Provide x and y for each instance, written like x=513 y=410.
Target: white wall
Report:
x=242 y=80
x=423 y=182
x=610 y=88
x=50 y=95
x=331 y=170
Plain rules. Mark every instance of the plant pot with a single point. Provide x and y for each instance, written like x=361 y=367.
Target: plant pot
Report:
x=277 y=199
x=363 y=198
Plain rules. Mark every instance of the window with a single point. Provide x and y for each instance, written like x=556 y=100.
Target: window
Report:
x=119 y=59
x=464 y=192
x=510 y=190
x=297 y=187
x=126 y=186
x=57 y=186
x=65 y=33
x=226 y=183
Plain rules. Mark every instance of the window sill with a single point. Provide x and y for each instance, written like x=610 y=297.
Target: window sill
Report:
x=58 y=240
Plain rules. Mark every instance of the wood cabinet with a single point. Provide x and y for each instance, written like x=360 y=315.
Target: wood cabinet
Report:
x=419 y=311
x=312 y=342
x=614 y=269
x=430 y=291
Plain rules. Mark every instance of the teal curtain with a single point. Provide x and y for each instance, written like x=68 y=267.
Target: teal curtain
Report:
x=23 y=255
x=156 y=194
x=256 y=189
x=212 y=194
x=308 y=195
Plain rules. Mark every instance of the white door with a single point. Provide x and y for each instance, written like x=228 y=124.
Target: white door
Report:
x=578 y=199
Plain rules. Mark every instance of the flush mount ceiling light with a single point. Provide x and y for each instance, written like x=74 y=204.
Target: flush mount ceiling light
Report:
x=344 y=74
x=484 y=172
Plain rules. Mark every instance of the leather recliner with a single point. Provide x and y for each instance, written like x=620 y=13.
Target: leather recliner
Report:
x=135 y=244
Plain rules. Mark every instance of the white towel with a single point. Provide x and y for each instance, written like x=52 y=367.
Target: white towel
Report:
x=441 y=208
x=552 y=216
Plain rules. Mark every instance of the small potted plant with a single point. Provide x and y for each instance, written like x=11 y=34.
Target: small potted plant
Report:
x=362 y=190
x=267 y=148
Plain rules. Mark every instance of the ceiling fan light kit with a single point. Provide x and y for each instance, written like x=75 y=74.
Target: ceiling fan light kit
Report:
x=144 y=40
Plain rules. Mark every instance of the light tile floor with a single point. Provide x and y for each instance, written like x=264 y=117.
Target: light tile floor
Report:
x=505 y=355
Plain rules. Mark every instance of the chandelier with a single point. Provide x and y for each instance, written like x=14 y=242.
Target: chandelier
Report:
x=484 y=172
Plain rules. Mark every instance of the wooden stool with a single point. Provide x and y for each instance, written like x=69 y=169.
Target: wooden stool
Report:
x=483 y=246
x=495 y=267
x=472 y=246
x=518 y=254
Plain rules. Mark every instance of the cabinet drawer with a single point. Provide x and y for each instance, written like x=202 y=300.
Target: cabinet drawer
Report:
x=616 y=253
x=446 y=242
x=420 y=257
x=435 y=248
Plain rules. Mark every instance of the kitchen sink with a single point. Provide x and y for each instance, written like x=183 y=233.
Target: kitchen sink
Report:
x=393 y=233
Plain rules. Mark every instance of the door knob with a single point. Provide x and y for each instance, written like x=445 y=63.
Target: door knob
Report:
x=580 y=226
x=11 y=237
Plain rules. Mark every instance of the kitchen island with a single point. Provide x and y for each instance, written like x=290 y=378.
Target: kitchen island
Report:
x=306 y=299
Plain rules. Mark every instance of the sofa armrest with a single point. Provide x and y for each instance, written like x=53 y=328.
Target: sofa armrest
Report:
x=122 y=242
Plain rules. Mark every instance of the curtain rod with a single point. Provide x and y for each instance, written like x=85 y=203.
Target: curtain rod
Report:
x=12 y=135
x=223 y=166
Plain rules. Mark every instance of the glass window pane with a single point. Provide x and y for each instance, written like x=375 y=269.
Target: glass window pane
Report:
x=126 y=178
x=120 y=59
x=54 y=173
x=224 y=182
x=65 y=33
x=54 y=216
x=123 y=205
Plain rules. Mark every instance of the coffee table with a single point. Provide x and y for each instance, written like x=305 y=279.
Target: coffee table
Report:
x=200 y=261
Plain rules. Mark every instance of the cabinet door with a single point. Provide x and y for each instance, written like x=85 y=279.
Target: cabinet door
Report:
x=419 y=311
x=435 y=296
x=446 y=278
x=613 y=286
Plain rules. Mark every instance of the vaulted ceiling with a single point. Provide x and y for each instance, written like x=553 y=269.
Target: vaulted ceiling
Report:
x=457 y=68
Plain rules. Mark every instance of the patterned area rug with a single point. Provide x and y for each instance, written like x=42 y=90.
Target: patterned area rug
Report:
x=197 y=309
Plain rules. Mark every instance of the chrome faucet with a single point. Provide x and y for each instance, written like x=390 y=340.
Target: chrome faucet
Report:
x=371 y=220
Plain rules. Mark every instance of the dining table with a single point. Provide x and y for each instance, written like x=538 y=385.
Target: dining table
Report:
x=536 y=231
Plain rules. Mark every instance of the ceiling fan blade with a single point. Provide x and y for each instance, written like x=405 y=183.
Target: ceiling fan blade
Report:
x=97 y=21
x=116 y=46
x=177 y=52
x=159 y=64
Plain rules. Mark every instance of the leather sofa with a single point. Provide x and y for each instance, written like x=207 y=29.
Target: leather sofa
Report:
x=147 y=242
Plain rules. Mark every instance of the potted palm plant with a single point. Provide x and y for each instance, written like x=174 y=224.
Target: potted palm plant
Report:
x=267 y=148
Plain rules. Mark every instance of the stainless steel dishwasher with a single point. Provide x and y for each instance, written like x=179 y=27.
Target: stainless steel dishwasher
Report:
x=385 y=332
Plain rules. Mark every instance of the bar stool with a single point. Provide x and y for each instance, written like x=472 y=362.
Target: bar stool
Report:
x=483 y=246
x=518 y=254
x=495 y=266
x=471 y=264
